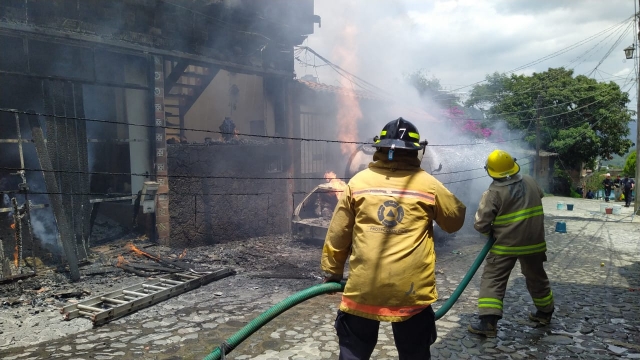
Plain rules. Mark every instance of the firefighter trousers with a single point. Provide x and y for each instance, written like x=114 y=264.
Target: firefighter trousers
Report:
x=495 y=276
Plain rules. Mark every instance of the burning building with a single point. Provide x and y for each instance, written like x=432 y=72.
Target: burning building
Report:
x=98 y=98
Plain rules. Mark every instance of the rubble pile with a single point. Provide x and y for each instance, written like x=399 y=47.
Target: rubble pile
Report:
x=264 y=257
x=105 y=230
x=31 y=306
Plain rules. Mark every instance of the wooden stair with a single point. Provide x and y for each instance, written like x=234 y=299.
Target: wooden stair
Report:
x=185 y=81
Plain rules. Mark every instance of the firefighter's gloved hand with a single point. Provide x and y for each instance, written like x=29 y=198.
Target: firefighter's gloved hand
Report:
x=332 y=278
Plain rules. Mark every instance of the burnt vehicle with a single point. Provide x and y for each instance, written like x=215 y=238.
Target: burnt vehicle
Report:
x=312 y=215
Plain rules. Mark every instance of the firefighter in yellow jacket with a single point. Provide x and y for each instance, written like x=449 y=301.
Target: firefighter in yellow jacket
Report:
x=511 y=210
x=384 y=224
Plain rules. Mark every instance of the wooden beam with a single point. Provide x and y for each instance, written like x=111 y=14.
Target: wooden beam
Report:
x=51 y=182
x=175 y=74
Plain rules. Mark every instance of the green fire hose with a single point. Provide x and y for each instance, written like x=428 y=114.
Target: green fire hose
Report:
x=295 y=299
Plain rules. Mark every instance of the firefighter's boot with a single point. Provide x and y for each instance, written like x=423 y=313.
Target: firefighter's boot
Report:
x=541 y=317
x=487 y=326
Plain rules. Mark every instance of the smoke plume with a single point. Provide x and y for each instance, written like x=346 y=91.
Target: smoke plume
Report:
x=377 y=46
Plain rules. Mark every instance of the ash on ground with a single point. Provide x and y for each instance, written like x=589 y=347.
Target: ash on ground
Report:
x=266 y=257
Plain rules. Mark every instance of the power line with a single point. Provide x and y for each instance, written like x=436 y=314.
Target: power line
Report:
x=277 y=137
x=618 y=25
x=15 y=111
x=474 y=169
x=352 y=76
x=226 y=177
x=556 y=53
x=548 y=107
x=496 y=114
x=606 y=55
x=169 y=176
x=21 y=112
x=536 y=88
x=594 y=47
x=554 y=115
x=171 y=192
x=341 y=69
x=474 y=178
x=480 y=142
x=556 y=149
x=116 y=195
x=190 y=177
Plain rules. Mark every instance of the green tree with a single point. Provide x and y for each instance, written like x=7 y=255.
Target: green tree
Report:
x=630 y=165
x=581 y=119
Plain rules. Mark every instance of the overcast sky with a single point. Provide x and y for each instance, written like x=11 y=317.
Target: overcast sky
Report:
x=461 y=41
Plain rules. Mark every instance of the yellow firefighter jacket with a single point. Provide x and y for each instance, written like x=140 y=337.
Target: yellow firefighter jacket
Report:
x=512 y=210
x=384 y=220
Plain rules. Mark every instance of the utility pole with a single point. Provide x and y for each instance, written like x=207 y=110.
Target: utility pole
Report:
x=636 y=208
x=536 y=163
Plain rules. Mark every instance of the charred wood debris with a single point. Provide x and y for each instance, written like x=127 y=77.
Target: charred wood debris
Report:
x=131 y=260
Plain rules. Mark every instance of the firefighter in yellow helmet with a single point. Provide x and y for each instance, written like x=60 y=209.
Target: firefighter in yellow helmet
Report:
x=511 y=211
x=383 y=224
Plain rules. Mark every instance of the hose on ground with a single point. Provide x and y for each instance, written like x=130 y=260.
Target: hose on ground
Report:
x=331 y=287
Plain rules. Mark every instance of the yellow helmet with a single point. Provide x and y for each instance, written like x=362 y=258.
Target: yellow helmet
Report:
x=501 y=165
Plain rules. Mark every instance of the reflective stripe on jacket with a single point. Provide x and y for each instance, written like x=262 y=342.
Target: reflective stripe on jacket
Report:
x=512 y=211
x=384 y=224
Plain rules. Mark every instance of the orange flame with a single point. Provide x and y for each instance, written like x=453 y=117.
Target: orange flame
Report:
x=13 y=226
x=139 y=252
x=349 y=111
x=184 y=253
x=336 y=183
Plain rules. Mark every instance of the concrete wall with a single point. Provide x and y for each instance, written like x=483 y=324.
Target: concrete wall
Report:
x=224 y=215
x=238 y=96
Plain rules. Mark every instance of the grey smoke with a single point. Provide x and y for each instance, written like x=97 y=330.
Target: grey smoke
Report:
x=43 y=222
x=43 y=226
x=391 y=41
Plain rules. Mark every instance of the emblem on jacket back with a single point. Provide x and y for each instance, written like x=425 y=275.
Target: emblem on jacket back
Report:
x=390 y=213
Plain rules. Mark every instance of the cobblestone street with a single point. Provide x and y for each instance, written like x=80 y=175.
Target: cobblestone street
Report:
x=594 y=270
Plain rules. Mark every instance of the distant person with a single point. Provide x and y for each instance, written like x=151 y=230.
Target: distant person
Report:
x=511 y=211
x=590 y=194
x=383 y=224
x=617 y=189
x=627 y=187
x=608 y=185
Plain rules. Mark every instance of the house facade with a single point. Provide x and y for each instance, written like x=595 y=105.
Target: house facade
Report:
x=95 y=96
